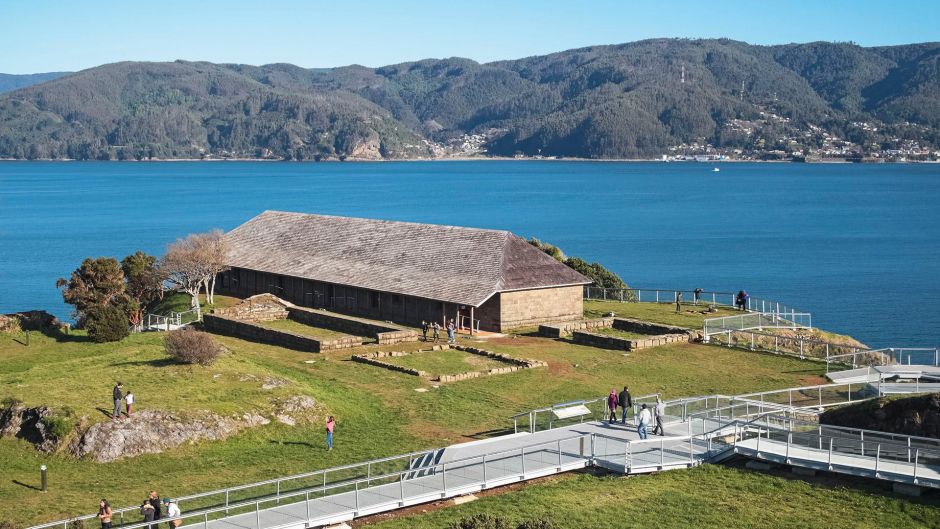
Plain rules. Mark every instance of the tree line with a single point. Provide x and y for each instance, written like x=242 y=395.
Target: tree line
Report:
x=110 y=297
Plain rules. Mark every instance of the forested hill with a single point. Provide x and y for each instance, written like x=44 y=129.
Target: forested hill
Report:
x=632 y=100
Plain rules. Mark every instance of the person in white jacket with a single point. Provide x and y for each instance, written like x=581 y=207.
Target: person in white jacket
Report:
x=172 y=511
x=643 y=421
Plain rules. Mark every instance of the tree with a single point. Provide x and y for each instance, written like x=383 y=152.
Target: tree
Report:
x=214 y=248
x=96 y=283
x=107 y=323
x=183 y=266
x=194 y=263
x=144 y=282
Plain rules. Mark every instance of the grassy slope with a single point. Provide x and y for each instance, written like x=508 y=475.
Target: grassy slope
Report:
x=707 y=496
x=691 y=315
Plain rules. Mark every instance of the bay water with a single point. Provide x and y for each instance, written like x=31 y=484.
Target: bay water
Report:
x=856 y=245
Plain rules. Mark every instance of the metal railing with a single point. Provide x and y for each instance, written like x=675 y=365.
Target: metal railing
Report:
x=799 y=346
x=173 y=320
x=668 y=295
x=758 y=321
x=894 y=457
x=444 y=479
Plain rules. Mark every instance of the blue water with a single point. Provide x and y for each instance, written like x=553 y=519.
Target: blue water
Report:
x=857 y=245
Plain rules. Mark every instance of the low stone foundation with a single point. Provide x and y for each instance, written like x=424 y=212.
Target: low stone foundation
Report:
x=256 y=333
x=515 y=364
x=578 y=332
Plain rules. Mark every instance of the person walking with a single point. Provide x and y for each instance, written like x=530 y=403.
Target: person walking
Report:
x=146 y=510
x=626 y=402
x=424 y=330
x=104 y=514
x=659 y=412
x=154 y=500
x=330 y=426
x=172 y=511
x=451 y=332
x=129 y=402
x=436 y=331
x=696 y=296
x=118 y=396
x=612 y=406
x=739 y=301
x=678 y=302
x=643 y=421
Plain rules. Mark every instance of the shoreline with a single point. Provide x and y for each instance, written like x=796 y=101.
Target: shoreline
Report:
x=478 y=159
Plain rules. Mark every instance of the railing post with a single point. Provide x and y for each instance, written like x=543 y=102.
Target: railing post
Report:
x=401 y=486
x=484 y=471
x=307 y=504
x=916 y=454
x=277 y=500
x=829 y=463
x=559 y=455
x=444 y=476
x=368 y=475
x=789 y=442
x=258 y=514
x=226 y=502
x=691 y=452
x=357 y=497
x=908 y=449
x=877 y=458
x=522 y=451
x=861 y=436
x=662 y=454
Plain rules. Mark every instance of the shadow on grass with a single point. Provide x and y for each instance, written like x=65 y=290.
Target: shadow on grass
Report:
x=27 y=485
x=62 y=337
x=158 y=362
x=291 y=443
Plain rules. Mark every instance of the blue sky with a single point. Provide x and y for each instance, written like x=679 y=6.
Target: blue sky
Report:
x=46 y=35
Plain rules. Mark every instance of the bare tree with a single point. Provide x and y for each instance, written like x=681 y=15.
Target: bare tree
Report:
x=215 y=248
x=193 y=263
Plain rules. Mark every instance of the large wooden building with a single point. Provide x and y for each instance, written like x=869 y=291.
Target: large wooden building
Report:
x=401 y=271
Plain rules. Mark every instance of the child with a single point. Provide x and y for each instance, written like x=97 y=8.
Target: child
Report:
x=330 y=426
x=104 y=514
x=129 y=400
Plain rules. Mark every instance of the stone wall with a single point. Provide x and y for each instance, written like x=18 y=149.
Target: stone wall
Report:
x=532 y=307
x=384 y=333
x=565 y=328
x=262 y=307
x=257 y=333
x=615 y=343
x=373 y=359
x=646 y=327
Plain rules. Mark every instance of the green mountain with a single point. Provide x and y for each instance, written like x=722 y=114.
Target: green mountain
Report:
x=630 y=100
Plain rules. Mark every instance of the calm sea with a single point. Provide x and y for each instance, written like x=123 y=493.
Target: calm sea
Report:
x=857 y=245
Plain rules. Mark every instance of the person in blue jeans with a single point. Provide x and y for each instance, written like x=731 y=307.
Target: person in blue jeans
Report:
x=643 y=421
x=330 y=426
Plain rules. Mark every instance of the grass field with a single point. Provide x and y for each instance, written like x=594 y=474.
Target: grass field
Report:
x=378 y=412
x=306 y=330
x=447 y=362
x=707 y=496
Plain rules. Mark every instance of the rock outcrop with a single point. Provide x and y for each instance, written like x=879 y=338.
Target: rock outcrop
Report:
x=918 y=415
x=146 y=431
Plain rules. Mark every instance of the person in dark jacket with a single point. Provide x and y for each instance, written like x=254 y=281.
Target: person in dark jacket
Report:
x=154 y=501
x=626 y=402
x=146 y=510
x=424 y=330
x=118 y=401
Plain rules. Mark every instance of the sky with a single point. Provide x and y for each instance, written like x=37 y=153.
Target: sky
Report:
x=65 y=35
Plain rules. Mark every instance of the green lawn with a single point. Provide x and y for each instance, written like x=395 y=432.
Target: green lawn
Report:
x=710 y=496
x=378 y=412
x=691 y=315
x=299 y=328
x=447 y=362
x=617 y=333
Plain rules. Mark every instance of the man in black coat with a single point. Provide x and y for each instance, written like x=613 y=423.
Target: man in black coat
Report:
x=625 y=402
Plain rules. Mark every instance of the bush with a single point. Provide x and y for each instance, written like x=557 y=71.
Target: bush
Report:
x=540 y=523
x=192 y=347
x=482 y=521
x=107 y=324
x=60 y=424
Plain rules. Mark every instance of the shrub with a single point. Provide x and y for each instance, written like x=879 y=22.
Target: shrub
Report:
x=60 y=424
x=482 y=521
x=192 y=347
x=10 y=402
x=107 y=324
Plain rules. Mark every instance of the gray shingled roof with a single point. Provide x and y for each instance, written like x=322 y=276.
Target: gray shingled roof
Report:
x=446 y=263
